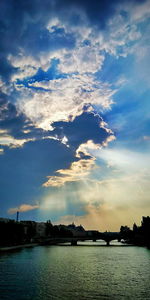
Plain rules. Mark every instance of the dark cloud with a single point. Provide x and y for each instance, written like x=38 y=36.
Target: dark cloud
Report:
x=83 y=128
x=24 y=170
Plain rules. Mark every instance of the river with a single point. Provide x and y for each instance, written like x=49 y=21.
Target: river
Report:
x=87 y=271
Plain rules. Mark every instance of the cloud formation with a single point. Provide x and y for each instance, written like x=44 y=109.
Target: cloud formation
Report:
x=64 y=99
x=72 y=67
x=82 y=143
x=22 y=208
x=77 y=171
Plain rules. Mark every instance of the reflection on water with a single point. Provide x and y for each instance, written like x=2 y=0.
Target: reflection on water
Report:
x=76 y=272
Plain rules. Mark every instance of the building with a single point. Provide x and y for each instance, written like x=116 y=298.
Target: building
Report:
x=5 y=220
x=40 y=229
x=77 y=231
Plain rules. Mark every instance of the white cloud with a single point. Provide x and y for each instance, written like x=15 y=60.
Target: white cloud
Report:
x=28 y=65
x=138 y=12
x=108 y=140
x=86 y=147
x=119 y=37
x=64 y=99
x=82 y=59
x=5 y=88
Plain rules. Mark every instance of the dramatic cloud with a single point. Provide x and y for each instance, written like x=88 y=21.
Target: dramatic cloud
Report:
x=64 y=99
x=74 y=76
x=98 y=136
x=77 y=133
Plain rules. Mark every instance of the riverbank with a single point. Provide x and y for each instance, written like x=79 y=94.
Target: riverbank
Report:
x=11 y=248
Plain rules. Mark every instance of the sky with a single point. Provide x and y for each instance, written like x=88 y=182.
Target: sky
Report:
x=75 y=111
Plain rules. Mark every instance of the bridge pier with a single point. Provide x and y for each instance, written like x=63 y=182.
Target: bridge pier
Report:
x=73 y=243
x=108 y=243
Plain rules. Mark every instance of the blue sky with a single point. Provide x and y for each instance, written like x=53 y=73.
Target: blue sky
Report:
x=75 y=111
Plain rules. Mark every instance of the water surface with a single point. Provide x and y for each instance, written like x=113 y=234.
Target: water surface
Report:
x=79 y=272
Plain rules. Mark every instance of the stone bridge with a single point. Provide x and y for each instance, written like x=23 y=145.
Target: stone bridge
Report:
x=106 y=236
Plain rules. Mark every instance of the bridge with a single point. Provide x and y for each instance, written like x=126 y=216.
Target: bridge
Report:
x=106 y=236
